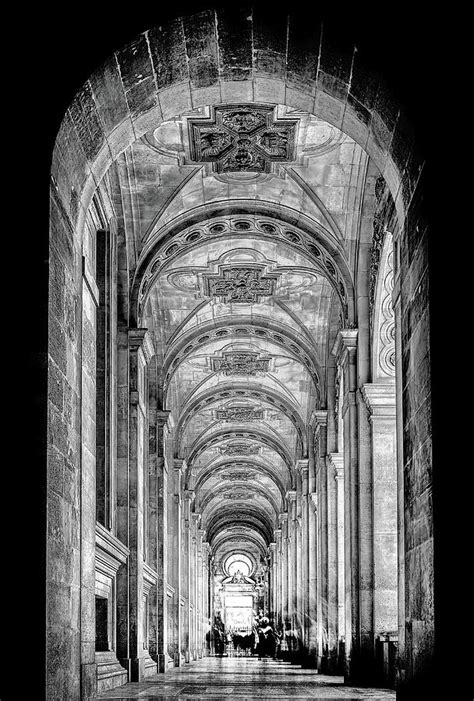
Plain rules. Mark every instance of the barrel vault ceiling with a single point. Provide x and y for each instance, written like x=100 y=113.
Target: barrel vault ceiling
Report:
x=241 y=227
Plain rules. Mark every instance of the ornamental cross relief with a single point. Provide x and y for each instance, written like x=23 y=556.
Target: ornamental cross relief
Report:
x=240 y=364
x=239 y=284
x=241 y=138
x=239 y=413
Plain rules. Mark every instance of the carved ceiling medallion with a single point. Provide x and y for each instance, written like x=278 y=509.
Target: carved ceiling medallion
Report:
x=239 y=413
x=241 y=476
x=240 y=363
x=242 y=138
x=239 y=283
x=239 y=495
x=240 y=449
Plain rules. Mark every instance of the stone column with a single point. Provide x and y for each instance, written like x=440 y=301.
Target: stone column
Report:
x=337 y=463
x=200 y=598
x=291 y=554
x=206 y=553
x=283 y=518
x=156 y=426
x=162 y=541
x=186 y=636
x=381 y=403
x=273 y=583
x=174 y=565
x=302 y=468
x=130 y=581
x=278 y=576
x=345 y=350
x=312 y=580
x=196 y=518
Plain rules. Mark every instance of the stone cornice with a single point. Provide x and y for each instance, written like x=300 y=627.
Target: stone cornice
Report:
x=162 y=416
x=302 y=466
x=136 y=338
x=179 y=464
x=346 y=342
x=319 y=418
x=110 y=543
x=336 y=461
x=150 y=577
x=380 y=399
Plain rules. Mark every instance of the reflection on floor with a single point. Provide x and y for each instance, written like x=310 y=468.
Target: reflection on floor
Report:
x=243 y=678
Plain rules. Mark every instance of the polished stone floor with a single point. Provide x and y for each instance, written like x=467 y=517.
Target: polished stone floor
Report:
x=243 y=678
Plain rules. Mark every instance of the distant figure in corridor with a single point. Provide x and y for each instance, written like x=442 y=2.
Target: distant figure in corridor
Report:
x=267 y=640
x=219 y=635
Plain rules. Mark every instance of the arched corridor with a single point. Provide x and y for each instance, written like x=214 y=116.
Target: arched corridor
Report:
x=239 y=379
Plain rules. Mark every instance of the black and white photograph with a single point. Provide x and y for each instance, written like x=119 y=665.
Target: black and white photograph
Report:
x=239 y=313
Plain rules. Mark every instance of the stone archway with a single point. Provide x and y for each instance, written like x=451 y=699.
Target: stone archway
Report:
x=147 y=89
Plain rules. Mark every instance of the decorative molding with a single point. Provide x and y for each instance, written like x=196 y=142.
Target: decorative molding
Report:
x=336 y=461
x=240 y=363
x=380 y=399
x=291 y=495
x=240 y=283
x=110 y=552
x=302 y=465
x=150 y=578
x=242 y=138
x=346 y=341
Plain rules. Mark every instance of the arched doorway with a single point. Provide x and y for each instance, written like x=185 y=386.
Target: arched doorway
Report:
x=217 y=234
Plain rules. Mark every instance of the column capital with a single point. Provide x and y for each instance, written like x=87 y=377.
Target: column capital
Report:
x=140 y=338
x=196 y=518
x=272 y=547
x=277 y=533
x=380 y=399
x=179 y=464
x=283 y=517
x=319 y=417
x=336 y=461
x=302 y=466
x=189 y=494
x=291 y=495
x=345 y=344
x=314 y=500
x=162 y=416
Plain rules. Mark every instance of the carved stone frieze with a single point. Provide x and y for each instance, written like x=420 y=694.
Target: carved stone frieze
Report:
x=240 y=363
x=239 y=283
x=239 y=413
x=242 y=138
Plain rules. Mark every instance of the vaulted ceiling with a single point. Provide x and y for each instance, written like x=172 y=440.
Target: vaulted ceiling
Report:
x=241 y=226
